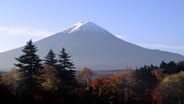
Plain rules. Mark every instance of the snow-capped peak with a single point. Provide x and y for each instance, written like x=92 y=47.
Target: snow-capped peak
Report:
x=85 y=26
x=78 y=25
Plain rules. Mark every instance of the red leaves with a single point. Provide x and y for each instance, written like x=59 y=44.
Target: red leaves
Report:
x=154 y=94
x=96 y=83
x=104 y=85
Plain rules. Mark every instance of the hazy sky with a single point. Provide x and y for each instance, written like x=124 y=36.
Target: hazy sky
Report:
x=156 y=24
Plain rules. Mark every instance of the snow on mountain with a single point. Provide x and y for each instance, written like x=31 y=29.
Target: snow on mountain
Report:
x=77 y=26
x=92 y=46
x=85 y=27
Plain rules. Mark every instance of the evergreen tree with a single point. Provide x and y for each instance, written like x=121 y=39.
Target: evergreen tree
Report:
x=163 y=65
x=64 y=61
x=50 y=59
x=145 y=78
x=65 y=74
x=171 y=68
x=29 y=66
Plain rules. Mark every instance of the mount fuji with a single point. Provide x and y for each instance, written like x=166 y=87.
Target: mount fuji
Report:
x=92 y=46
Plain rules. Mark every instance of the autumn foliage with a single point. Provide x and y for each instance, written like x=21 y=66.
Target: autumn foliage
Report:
x=52 y=80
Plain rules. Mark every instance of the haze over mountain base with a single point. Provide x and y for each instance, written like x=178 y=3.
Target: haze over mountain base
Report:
x=92 y=46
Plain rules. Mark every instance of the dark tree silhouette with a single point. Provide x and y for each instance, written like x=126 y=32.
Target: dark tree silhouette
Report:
x=145 y=78
x=171 y=68
x=29 y=65
x=65 y=74
x=163 y=65
x=64 y=61
x=50 y=59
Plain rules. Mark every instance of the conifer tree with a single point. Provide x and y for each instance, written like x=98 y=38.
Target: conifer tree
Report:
x=65 y=74
x=163 y=65
x=64 y=61
x=50 y=59
x=29 y=65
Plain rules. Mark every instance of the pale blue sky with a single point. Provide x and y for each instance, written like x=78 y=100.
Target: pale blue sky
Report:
x=156 y=24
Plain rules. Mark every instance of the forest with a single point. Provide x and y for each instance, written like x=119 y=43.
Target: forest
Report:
x=53 y=80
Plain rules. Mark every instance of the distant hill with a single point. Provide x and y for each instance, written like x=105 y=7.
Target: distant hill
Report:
x=92 y=46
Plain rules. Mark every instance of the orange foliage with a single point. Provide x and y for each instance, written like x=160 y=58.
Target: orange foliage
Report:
x=107 y=84
x=96 y=83
x=110 y=84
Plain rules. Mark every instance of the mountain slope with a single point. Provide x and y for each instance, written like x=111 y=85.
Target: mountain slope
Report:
x=94 y=47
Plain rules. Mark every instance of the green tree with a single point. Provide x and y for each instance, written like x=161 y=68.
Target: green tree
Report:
x=50 y=59
x=65 y=74
x=29 y=65
x=145 y=79
x=163 y=65
x=64 y=61
x=171 y=68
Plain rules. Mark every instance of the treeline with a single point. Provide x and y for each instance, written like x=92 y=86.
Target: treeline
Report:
x=172 y=67
x=39 y=81
x=53 y=81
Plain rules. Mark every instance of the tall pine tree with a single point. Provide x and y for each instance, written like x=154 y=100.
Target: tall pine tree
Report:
x=64 y=61
x=50 y=59
x=66 y=75
x=29 y=65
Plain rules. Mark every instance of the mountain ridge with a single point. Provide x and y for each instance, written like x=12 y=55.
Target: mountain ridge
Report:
x=92 y=46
